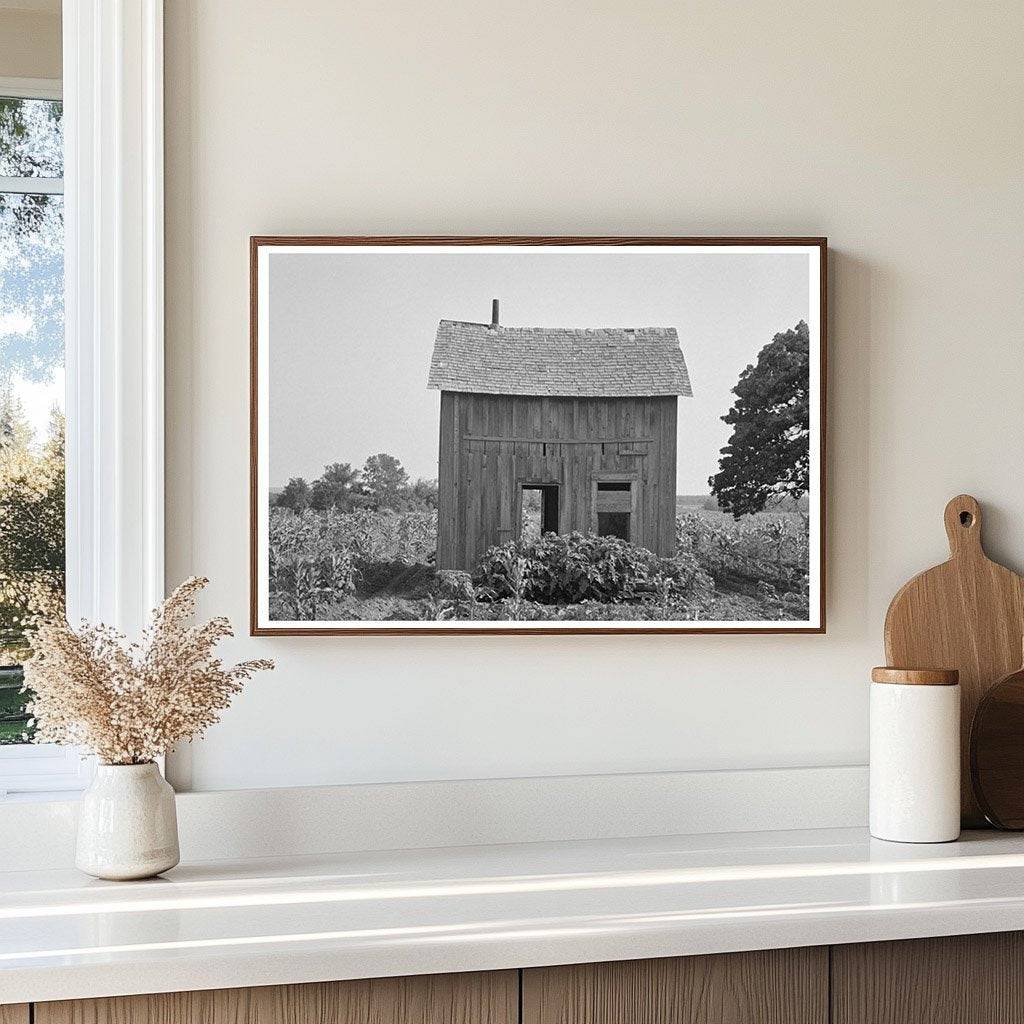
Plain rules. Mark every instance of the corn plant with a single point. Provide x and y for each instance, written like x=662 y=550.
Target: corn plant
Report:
x=771 y=549
x=308 y=568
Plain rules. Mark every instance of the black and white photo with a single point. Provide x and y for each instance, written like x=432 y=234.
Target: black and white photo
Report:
x=508 y=436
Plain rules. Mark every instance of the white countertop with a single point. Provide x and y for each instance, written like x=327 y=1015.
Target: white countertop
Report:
x=261 y=922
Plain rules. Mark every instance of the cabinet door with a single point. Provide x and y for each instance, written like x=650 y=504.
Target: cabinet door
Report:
x=14 y=1013
x=962 y=979
x=482 y=998
x=778 y=986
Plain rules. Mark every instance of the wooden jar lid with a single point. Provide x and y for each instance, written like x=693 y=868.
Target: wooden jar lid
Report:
x=916 y=676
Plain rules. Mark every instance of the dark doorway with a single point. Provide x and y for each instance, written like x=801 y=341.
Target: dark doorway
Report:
x=614 y=507
x=539 y=510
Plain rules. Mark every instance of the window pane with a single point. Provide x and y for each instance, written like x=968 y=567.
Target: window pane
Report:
x=31 y=432
x=31 y=138
x=32 y=296
x=13 y=720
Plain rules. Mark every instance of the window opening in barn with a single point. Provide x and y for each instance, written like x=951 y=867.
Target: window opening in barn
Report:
x=614 y=508
x=540 y=510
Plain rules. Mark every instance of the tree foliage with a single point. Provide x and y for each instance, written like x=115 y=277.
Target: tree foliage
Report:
x=423 y=494
x=31 y=525
x=31 y=243
x=381 y=485
x=385 y=480
x=295 y=495
x=768 y=455
x=338 y=488
x=31 y=138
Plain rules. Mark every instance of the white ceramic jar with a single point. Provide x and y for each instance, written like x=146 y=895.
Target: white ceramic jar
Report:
x=127 y=824
x=915 y=755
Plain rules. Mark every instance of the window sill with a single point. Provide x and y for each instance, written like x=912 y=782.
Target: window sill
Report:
x=44 y=771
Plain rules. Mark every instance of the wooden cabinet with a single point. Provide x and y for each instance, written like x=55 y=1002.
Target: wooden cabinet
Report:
x=970 y=979
x=963 y=979
x=777 y=986
x=490 y=998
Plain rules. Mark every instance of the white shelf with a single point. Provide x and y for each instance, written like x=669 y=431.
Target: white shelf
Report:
x=351 y=915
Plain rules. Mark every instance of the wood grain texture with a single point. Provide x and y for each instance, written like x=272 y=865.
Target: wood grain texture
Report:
x=779 y=986
x=962 y=979
x=14 y=1013
x=479 y=998
x=915 y=676
x=967 y=614
x=997 y=752
x=491 y=446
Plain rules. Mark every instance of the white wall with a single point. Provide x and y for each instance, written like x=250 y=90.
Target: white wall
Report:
x=895 y=129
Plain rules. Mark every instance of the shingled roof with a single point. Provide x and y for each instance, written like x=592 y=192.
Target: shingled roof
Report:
x=606 y=362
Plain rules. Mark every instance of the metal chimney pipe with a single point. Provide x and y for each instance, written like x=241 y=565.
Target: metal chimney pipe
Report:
x=494 y=314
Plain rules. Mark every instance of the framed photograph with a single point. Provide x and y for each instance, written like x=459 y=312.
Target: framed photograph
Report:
x=537 y=435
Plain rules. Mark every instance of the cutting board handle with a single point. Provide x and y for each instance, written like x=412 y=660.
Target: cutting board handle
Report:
x=963 y=526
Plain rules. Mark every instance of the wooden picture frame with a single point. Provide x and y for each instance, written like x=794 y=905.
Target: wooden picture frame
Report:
x=478 y=445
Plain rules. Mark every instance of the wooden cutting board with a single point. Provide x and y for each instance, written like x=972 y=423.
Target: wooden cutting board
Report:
x=967 y=614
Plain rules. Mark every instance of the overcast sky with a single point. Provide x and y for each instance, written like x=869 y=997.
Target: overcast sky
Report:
x=351 y=336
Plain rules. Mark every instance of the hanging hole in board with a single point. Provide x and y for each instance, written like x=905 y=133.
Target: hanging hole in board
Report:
x=966 y=519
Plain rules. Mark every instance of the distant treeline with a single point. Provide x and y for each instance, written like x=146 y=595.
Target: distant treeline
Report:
x=781 y=503
x=382 y=483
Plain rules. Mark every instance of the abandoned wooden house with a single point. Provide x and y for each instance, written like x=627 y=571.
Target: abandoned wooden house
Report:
x=584 y=419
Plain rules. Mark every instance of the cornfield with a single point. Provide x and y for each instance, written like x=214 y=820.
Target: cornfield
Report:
x=316 y=558
x=763 y=555
x=379 y=565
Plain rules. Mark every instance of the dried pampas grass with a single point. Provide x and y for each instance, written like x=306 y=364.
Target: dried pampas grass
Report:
x=129 y=703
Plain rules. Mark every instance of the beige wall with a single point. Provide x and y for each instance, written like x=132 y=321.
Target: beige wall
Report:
x=30 y=43
x=895 y=129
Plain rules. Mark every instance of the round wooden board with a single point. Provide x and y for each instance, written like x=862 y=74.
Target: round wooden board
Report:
x=997 y=752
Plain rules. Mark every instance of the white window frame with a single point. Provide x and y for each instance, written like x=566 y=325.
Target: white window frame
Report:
x=32 y=88
x=114 y=322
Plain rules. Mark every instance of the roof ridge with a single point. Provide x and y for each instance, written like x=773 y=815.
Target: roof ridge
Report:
x=577 y=330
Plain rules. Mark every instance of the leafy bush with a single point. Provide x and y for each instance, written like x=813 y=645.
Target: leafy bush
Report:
x=570 y=569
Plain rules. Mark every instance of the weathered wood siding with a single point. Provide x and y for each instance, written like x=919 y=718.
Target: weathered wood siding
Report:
x=490 y=445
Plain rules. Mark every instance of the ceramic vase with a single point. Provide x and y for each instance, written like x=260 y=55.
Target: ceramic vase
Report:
x=127 y=825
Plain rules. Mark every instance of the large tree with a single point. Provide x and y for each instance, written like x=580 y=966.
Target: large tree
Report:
x=336 y=488
x=385 y=480
x=294 y=495
x=768 y=455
